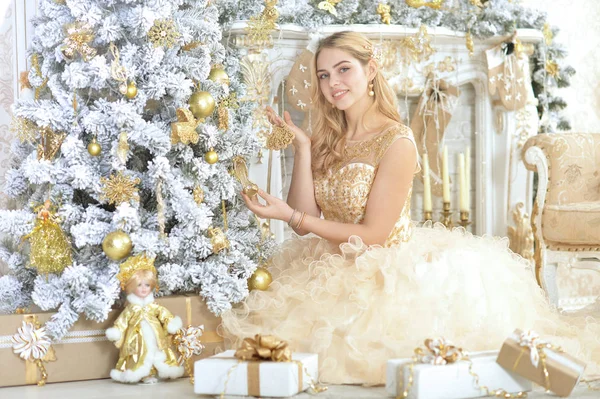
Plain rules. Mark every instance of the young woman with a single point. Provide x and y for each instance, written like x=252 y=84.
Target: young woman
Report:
x=370 y=287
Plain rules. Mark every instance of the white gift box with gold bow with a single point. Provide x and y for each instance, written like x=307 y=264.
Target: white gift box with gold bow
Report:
x=452 y=381
x=225 y=373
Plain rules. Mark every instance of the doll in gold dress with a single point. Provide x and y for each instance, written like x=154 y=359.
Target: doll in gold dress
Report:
x=142 y=330
x=368 y=286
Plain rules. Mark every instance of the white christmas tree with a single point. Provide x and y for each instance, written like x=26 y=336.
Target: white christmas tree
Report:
x=132 y=134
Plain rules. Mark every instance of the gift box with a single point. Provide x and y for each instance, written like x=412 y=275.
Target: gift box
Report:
x=563 y=370
x=225 y=373
x=85 y=353
x=452 y=381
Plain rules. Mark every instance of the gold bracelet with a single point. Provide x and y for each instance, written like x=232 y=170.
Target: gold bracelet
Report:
x=292 y=218
x=299 y=225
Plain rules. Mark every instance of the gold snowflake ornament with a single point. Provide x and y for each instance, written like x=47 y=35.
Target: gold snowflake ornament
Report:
x=163 y=33
x=24 y=129
x=119 y=188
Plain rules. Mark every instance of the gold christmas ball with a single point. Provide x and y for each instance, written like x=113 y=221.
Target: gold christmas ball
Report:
x=94 y=148
x=211 y=157
x=202 y=104
x=131 y=90
x=260 y=280
x=251 y=190
x=218 y=74
x=123 y=88
x=117 y=245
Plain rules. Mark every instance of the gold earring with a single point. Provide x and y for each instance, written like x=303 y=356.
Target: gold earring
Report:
x=371 y=92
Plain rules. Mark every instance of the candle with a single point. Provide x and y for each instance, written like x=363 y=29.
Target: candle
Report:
x=461 y=182
x=426 y=185
x=445 y=178
x=468 y=177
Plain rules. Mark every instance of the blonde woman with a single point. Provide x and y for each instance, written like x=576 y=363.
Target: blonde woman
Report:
x=367 y=286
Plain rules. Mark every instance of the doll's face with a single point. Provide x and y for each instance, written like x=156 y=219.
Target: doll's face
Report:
x=143 y=289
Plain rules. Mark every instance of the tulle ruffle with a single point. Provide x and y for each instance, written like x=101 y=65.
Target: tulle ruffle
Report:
x=358 y=306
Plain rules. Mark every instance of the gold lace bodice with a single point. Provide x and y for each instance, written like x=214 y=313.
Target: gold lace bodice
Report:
x=343 y=192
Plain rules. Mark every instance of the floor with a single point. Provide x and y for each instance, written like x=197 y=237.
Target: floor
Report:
x=182 y=389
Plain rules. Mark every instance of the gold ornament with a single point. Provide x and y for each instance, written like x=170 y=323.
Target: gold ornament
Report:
x=117 y=245
x=184 y=130
x=417 y=48
x=329 y=6
x=133 y=265
x=35 y=64
x=122 y=148
x=280 y=138
x=259 y=28
x=469 y=43
x=548 y=35
x=131 y=90
x=24 y=129
x=552 y=68
x=218 y=239
x=50 y=248
x=160 y=207
x=384 y=11
x=202 y=104
x=123 y=88
x=79 y=35
x=191 y=45
x=94 y=148
x=119 y=188
x=260 y=279
x=228 y=102
x=118 y=71
x=163 y=33
x=478 y=3
x=218 y=74
x=240 y=171
x=434 y=4
x=50 y=143
x=211 y=157
x=198 y=195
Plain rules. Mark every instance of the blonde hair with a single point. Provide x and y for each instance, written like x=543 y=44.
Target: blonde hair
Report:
x=137 y=277
x=328 y=139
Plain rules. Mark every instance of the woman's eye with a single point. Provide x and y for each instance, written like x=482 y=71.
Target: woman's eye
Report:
x=323 y=76
x=343 y=69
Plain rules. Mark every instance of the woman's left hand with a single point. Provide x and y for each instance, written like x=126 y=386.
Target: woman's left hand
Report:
x=274 y=208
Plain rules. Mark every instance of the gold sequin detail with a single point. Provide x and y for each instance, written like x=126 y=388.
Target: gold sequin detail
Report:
x=342 y=194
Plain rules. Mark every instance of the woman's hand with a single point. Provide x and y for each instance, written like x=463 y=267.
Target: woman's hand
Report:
x=301 y=139
x=274 y=207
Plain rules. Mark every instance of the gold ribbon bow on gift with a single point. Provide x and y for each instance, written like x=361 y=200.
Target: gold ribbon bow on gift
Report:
x=187 y=341
x=264 y=347
x=439 y=351
x=531 y=340
x=32 y=344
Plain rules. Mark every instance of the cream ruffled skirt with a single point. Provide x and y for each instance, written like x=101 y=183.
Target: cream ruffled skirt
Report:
x=358 y=306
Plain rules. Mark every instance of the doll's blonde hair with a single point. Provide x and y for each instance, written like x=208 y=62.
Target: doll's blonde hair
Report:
x=329 y=125
x=137 y=277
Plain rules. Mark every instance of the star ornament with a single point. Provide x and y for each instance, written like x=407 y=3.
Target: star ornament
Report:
x=184 y=130
x=119 y=188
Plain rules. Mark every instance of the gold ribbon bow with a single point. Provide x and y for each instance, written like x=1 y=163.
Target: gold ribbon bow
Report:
x=439 y=351
x=33 y=345
x=264 y=347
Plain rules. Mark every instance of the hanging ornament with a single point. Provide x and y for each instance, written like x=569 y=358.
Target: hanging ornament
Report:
x=280 y=138
x=24 y=129
x=50 y=248
x=240 y=171
x=211 y=157
x=24 y=81
x=548 y=35
x=123 y=148
x=260 y=279
x=469 y=43
x=260 y=27
x=184 y=130
x=131 y=90
x=50 y=143
x=218 y=74
x=416 y=48
x=218 y=239
x=160 y=207
x=384 y=12
x=198 y=195
x=202 y=104
x=118 y=71
x=329 y=6
x=434 y=4
x=117 y=245
x=119 y=188
x=552 y=68
x=35 y=65
x=94 y=148
x=79 y=35
x=228 y=102
x=163 y=33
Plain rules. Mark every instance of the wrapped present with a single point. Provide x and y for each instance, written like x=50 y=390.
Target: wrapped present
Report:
x=442 y=371
x=264 y=366
x=85 y=353
x=28 y=356
x=543 y=363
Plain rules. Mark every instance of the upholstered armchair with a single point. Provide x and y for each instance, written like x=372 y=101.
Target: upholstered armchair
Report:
x=566 y=211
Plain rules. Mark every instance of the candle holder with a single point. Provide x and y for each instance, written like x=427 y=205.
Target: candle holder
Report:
x=446 y=215
x=464 y=219
x=427 y=216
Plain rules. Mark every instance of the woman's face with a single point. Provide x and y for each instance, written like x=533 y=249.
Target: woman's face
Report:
x=143 y=289
x=342 y=78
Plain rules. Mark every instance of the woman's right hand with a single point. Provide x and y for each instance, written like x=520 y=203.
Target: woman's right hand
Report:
x=301 y=139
